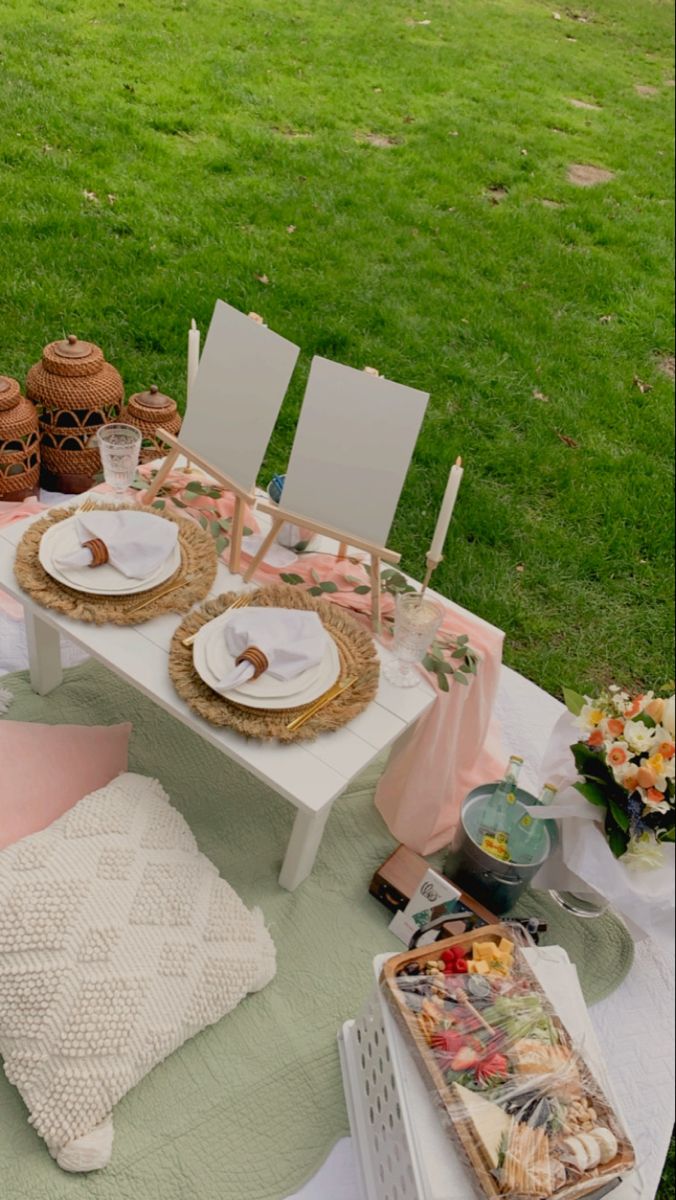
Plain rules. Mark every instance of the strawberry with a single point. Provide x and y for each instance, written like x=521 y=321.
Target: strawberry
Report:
x=494 y=1067
x=448 y=957
x=448 y=1041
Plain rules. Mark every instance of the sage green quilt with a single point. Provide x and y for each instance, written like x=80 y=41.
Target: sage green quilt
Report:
x=249 y=1109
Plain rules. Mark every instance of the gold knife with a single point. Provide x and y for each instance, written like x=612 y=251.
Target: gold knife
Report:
x=332 y=694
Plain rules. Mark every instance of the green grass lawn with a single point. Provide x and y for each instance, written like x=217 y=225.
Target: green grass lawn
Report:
x=156 y=155
x=371 y=176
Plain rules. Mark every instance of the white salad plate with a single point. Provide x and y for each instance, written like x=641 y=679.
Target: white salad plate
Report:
x=213 y=660
x=106 y=580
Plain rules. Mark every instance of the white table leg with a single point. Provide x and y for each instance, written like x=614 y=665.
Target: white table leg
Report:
x=44 y=654
x=303 y=846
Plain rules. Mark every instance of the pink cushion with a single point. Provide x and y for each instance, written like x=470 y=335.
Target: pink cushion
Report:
x=46 y=769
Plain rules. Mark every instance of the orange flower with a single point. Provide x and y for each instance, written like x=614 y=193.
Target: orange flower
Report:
x=634 y=707
x=656 y=710
x=668 y=750
x=653 y=796
x=646 y=778
x=630 y=782
x=596 y=738
x=618 y=756
x=616 y=726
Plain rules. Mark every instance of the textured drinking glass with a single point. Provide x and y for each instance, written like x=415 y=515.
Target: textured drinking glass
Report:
x=416 y=623
x=587 y=905
x=120 y=447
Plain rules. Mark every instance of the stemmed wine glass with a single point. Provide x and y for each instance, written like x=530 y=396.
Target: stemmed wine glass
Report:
x=416 y=622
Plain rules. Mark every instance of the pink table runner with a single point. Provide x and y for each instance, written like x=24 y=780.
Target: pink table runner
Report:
x=453 y=747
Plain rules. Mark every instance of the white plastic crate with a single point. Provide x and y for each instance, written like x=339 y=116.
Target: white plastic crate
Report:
x=401 y=1147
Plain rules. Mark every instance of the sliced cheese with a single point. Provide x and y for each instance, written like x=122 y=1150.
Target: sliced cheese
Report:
x=593 y=1148
x=607 y=1142
x=490 y=1123
x=575 y=1154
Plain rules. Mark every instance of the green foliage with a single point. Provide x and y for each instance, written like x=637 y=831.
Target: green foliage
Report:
x=574 y=701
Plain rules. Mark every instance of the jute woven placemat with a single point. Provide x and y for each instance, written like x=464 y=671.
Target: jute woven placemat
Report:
x=197 y=571
x=357 y=657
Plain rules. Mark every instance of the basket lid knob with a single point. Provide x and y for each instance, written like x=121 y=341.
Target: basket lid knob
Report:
x=153 y=398
x=72 y=347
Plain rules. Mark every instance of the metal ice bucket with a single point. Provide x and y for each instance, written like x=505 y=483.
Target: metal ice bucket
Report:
x=493 y=883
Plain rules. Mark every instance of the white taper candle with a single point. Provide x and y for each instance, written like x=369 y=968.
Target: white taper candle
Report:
x=193 y=354
x=446 y=512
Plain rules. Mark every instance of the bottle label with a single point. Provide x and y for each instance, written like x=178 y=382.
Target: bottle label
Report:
x=497 y=846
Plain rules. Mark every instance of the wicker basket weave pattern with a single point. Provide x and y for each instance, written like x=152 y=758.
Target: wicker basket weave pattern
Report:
x=75 y=395
x=19 y=443
x=161 y=413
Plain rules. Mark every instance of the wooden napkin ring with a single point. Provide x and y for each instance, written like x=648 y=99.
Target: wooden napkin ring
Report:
x=257 y=659
x=98 y=550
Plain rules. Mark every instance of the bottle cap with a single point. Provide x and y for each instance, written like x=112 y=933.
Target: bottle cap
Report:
x=516 y=758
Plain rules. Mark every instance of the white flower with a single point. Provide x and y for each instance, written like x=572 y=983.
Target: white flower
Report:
x=639 y=737
x=644 y=853
x=669 y=717
x=590 y=716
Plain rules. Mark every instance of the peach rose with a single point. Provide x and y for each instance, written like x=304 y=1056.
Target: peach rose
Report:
x=646 y=777
x=596 y=738
x=656 y=710
x=616 y=726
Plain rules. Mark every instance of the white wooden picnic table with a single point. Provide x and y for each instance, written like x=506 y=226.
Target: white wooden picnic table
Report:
x=310 y=775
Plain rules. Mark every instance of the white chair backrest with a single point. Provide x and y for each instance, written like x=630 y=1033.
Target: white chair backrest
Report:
x=353 y=446
x=242 y=379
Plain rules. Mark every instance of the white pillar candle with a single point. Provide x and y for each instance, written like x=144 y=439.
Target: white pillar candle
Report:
x=446 y=512
x=193 y=355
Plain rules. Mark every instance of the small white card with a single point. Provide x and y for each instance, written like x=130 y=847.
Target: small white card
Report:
x=433 y=898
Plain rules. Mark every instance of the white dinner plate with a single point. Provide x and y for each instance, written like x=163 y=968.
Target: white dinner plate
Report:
x=257 y=691
x=99 y=581
x=220 y=661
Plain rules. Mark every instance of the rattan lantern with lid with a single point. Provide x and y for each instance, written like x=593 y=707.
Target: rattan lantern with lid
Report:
x=150 y=411
x=76 y=391
x=19 y=443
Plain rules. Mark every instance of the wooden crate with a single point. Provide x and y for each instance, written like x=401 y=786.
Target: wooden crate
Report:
x=597 y=1182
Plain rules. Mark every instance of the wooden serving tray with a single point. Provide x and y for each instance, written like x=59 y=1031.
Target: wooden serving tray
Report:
x=598 y=1182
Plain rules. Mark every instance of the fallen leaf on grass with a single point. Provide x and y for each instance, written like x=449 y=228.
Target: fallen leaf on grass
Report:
x=291 y=229
x=454 y=133
x=552 y=204
x=537 y=395
x=557 y=16
x=409 y=120
x=256 y=317
x=111 y=198
x=607 y=318
x=263 y=279
x=91 y=196
x=567 y=441
x=583 y=17
x=524 y=153
x=570 y=38
x=372 y=371
x=378 y=91
x=520 y=568
x=646 y=89
x=643 y=387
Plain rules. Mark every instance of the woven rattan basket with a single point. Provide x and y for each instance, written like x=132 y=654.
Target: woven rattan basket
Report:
x=19 y=443
x=150 y=411
x=76 y=391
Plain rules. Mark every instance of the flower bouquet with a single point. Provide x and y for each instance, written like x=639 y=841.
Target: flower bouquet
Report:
x=612 y=758
x=626 y=760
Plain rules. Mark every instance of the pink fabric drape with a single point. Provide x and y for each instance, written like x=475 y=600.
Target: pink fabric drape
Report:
x=454 y=747
x=15 y=511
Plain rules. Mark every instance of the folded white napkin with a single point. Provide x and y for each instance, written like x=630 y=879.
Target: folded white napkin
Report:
x=137 y=542
x=291 y=640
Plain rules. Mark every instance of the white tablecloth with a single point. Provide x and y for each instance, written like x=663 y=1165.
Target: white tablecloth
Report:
x=635 y=1026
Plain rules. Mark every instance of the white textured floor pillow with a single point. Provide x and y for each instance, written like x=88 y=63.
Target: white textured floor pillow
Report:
x=118 y=942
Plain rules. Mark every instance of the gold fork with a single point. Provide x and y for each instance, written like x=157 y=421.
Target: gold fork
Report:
x=240 y=602
x=175 y=587
x=312 y=709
